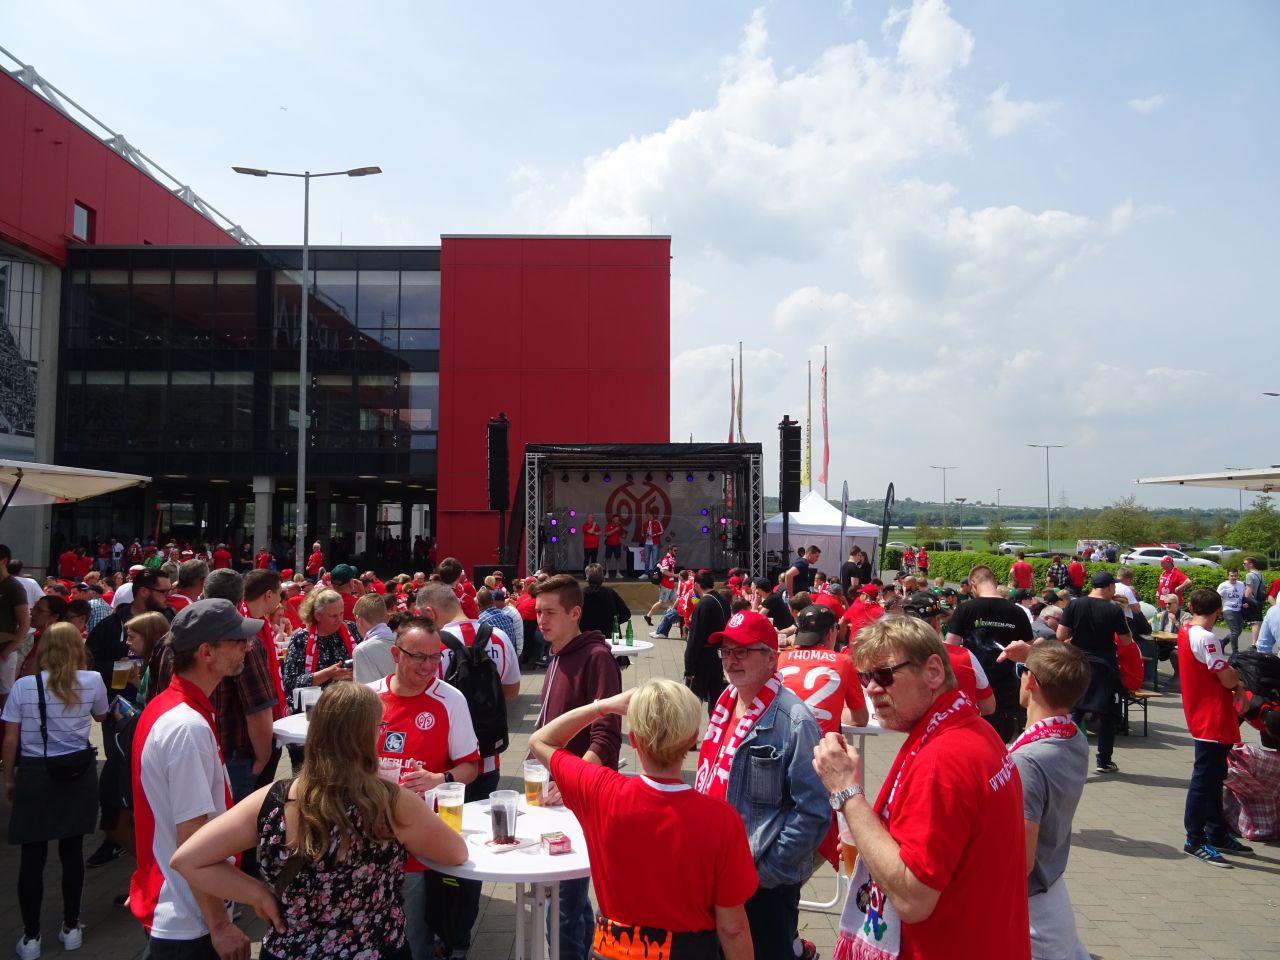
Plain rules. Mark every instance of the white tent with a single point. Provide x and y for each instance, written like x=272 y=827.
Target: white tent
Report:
x=25 y=484
x=818 y=523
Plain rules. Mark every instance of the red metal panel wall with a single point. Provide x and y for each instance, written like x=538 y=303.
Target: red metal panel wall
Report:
x=569 y=337
x=47 y=163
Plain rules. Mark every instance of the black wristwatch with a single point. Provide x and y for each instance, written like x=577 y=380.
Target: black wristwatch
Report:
x=448 y=777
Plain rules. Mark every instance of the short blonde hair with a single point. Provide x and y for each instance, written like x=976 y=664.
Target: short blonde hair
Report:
x=317 y=599
x=894 y=638
x=664 y=718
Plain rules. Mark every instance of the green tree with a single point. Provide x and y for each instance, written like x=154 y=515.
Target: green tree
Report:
x=1219 y=527
x=1125 y=522
x=1039 y=530
x=924 y=531
x=1259 y=528
x=1195 y=528
x=1170 y=529
x=997 y=532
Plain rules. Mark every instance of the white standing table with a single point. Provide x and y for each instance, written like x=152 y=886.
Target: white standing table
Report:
x=621 y=648
x=536 y=875
x=291 y=730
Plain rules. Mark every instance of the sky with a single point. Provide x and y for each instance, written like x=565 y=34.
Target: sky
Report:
x=1009 y=223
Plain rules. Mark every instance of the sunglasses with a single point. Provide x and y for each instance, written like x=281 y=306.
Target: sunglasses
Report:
x=883 y=676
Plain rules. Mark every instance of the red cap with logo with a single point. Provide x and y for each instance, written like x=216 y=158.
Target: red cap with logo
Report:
x=747 y=629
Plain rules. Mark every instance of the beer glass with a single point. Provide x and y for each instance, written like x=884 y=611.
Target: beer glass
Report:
x=449 y=798
x=503 y=805
x=535 y=782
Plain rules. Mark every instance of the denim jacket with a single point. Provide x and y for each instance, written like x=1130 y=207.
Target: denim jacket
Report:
x=772 y=784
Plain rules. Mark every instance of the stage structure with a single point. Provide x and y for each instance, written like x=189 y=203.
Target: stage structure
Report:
x=709 y=496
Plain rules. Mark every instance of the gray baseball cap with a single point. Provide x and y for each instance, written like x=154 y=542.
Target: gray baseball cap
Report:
x=208 y=621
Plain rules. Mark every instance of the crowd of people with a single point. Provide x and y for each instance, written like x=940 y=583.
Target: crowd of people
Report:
x=187 y=665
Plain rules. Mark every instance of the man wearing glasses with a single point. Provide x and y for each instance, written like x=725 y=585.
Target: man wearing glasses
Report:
x=150 y=592
x=426 y=739
x=943 y=846
x=756 y=756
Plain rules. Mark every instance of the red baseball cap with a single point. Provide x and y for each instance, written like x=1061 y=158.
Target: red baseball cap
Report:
x=747 y=629
x=1166 y=559
x=870 y=590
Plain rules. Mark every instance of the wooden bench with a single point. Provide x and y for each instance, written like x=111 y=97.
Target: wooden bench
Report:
x=1139 y=699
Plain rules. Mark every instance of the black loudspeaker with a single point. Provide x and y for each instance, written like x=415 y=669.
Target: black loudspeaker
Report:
x=790 y=452
x=499 y=479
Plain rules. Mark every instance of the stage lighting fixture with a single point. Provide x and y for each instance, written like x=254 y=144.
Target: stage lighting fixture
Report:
x=689 y=477
x=670 y=478
x=706 y=529
x=724 y=520
x=554 y=538
x=722 y=537
x=573 y=531
x=606 y=478
x=586 y=478
x=564 y=477
x=573 y=513
x=648 y=477
x=705 y=511
x=711 y=477
x=554 y=521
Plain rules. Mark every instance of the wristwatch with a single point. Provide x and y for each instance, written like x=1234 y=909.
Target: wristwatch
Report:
x=840 y=797
x=448 y=776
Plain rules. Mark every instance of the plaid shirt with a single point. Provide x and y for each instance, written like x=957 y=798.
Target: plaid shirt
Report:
x=1057 y=575
x=1251 y=800
x=250 y=691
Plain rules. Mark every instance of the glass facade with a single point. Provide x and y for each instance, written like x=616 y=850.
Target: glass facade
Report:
x=21 y=294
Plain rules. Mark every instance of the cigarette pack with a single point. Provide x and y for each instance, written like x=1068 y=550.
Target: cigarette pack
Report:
x=556 y=843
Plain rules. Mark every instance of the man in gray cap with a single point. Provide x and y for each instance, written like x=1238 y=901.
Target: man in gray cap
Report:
x=180 y=783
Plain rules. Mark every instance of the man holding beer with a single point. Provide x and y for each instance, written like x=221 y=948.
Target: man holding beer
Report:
x=426 y=739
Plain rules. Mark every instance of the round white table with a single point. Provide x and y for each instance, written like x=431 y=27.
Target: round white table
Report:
x=291 y=730
x=621 y=648
x=535 y=874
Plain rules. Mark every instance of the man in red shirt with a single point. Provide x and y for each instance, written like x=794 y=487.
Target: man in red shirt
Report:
x=1172 y=580
x=263 y=560
x=1022 y=575
x=1075 y=576
x=315 y=561
x=864 y=609
x=590 y=540
x=221 y=557
x=428 y=738
x=341 y=578
x=1208 y=683
x=451 y=576
x=613 y=531
x=825 y=680
x=943 y=848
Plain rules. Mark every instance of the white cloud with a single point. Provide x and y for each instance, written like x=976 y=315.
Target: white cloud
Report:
x=1004 y=115
x=1145 y=105
x=932 y=43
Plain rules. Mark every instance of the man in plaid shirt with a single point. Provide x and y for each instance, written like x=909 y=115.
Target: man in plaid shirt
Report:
x=1057 y=576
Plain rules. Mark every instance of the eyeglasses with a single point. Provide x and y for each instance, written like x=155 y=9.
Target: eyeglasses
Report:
x=158 y=589
x=740 y=653
x=421 y=657
x=883 y=676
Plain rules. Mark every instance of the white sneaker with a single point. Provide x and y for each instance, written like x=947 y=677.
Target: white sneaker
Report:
x=71 y=939
x=28 y=949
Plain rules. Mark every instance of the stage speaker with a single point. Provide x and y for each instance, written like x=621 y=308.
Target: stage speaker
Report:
x=499 y=478
x=790 y=452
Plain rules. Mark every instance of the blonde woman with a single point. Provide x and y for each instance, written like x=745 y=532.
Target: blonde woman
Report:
x=321 y=651
x=144 y=636
x=331 y=843
x=694 y=883
x=51 y=777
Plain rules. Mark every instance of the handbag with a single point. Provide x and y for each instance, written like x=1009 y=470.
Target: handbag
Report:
x=65 y=766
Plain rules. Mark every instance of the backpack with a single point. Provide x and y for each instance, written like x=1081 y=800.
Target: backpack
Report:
x=1260 y=678
x=116 y=786
x=473 y=671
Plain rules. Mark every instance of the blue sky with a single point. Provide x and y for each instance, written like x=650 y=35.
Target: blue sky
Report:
x=1010 y=222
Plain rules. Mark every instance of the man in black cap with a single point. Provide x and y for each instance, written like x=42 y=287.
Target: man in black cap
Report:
x=341 y=577
x=825 y=680
x=1092 y=624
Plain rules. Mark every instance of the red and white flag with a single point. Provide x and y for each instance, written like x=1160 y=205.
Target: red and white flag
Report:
x=826 y=441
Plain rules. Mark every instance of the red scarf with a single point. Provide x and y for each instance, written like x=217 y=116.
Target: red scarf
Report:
x=1055 y=728
x=312 y=653
x=715 y=757
x=267 y=637
x=952 y=707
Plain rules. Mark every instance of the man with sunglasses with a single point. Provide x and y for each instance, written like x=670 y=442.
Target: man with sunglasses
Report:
x=941 y=853
x=756 y=756
x=427 y=734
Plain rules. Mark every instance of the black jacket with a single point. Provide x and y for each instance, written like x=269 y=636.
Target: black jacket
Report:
x=600 y=604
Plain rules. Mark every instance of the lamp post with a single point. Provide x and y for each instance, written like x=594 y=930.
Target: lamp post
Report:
x=1239 y=494
x=961 y=501
x=300 y=518
x=1048 y=541
x=944 y=491
x=998 y=514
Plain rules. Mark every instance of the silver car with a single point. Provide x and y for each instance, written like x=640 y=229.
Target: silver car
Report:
x=1151 y=556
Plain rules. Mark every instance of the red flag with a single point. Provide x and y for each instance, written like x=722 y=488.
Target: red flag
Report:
x=826 y=442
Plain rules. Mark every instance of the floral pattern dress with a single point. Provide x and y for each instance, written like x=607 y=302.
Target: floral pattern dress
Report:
x=330 y=649
x=346 y=908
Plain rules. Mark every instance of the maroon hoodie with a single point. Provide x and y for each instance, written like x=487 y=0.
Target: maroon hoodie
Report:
x=583 y=671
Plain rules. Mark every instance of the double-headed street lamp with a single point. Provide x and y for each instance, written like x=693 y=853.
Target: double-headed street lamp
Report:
x=1046 y=447
x=300 y=520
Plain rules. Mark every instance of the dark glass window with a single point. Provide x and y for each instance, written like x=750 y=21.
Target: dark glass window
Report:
x=149 y=309
x=235 y=325
x=108 y=308
x=420 y=301
x=193 y=309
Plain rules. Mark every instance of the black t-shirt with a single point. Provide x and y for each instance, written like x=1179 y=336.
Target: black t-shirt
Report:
x=776 y=609
x=1094 y=623
x=986 y=624
x=849 y=569
x=803 y=580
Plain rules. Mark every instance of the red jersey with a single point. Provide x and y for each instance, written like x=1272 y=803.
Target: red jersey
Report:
x=827 y=600
x=970 y=677
x=262 y=561
x=314 y=563
x=1208 y=706
x=1075 y=574
x=1023 y=574
x=67 y=565
x=467 y=600
x=826 y=681
x=591 y=535
x=178 y=600
x=703 y=862
x=861 y=613
x=433 y=728
x=1170 y=580
x=221 y=559
x=613 y=534
x=922 y=559
x=349 y=606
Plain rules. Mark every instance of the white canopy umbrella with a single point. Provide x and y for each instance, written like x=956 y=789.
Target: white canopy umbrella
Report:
x=819 y=523
x=25 y=484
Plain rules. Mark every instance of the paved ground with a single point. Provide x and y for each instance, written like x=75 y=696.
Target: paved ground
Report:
x=1136 y=894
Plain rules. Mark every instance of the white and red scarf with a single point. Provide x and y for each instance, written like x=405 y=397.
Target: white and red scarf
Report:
x=1050 y=728
x=870 y=928
x=715 y=756
x=313 y=653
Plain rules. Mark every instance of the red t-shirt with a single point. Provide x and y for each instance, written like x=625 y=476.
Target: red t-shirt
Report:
x=467 y=600
x=1129 y=658
x=348 y=605
x=178 y=600
x=970 y=677
x=703 y=861
x=67 y=565
x=1075 y=573
x=1208 y=706
x=526 y=606
x=826 y=681
x=263 y=561
x=434 y=727
x=221 y=559
x=828 y=601
x=1024 y=575
x=315 y=562
x=958 y=820
x=860 y=614
x=1169 y=582
x=291 y=611
x=612 y=535
x=591 y=535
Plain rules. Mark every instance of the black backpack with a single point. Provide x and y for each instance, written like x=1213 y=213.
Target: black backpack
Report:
x=473 y=671
x=1260 y=677
x=116 y=786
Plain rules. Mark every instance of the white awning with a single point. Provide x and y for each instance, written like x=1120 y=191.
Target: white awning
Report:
x=44 y=483
x=1258 y=479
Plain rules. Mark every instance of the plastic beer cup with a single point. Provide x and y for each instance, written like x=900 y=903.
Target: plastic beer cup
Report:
x=848 y=849
x=503 y=805
x=120 y=671
x=449 y=799
x=535 y=782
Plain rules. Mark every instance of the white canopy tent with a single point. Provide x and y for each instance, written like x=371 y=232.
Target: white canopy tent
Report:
x=25 y=484
x=818 y=523
x=1259 y=479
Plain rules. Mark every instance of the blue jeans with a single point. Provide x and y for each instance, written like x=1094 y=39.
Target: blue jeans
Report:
x=1202 y=817
x=774 y=915
x=243 y=780
x=650 y=557
x=577 y=920
x=669 y=620
x=417 y=933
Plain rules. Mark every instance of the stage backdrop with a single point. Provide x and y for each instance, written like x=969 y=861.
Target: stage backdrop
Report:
x=695 y=514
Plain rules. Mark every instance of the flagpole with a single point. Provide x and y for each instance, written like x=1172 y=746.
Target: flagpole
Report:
x=826 y=442
x=742 y=435
x=733 y=392
x=808 y=428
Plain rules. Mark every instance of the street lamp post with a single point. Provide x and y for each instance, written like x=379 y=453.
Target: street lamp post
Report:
x=961 y=501
x=998 y=511
x=1048 y=540
x=300 y=518
x=944 y=491
x=1239 y=494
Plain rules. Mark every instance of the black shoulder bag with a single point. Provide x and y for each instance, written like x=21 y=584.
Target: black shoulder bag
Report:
x=66 y=766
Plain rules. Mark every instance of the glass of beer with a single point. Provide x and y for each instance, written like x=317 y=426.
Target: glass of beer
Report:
x=503 y=806
x=848 y=849
x=535 y=782
x=449 y=798
x=120 y=671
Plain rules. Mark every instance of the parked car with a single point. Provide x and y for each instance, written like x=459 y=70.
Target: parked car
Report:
x=895 y=545
x=1220 y=551
x=1151 y=556
x=941 y=546
x=1013 y=546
